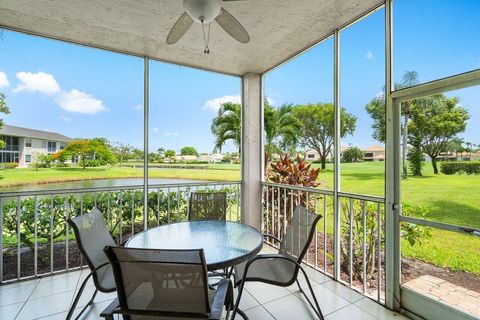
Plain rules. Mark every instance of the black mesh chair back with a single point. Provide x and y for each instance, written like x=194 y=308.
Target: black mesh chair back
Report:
x=282 y=269
x=169 y=283
x=299 y=233
x=207 y=206
x=92 y=235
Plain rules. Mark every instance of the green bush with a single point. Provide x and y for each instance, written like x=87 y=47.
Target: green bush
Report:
x=9 y=165
x=195 y=162
x=460 y=167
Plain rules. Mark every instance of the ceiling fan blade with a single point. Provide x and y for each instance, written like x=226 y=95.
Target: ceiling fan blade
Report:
x=232 y=26
x=179 y=28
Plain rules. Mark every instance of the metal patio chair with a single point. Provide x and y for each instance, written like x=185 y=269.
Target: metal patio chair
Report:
x=92 y=235
x=207 y=206
x=282 y=269
x=165 y=284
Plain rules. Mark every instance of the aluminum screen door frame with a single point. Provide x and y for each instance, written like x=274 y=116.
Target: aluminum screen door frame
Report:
x=406 y=300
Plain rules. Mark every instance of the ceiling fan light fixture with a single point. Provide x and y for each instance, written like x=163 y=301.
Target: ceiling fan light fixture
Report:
x=202 y=11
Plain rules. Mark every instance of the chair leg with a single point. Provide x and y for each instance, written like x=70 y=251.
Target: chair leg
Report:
x=315 y=308
x=235 y=307
x=88 y=304
x=77 y=298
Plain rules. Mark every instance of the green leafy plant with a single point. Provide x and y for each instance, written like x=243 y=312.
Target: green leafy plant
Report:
x=293 y=173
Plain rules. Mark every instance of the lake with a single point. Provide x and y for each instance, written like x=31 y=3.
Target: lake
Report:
x=95 y=183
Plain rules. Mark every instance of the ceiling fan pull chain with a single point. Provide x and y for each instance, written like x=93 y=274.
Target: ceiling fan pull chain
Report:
x=205 y=38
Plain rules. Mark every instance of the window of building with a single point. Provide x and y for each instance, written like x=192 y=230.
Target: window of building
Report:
x=310 y=156
x=52 y=146
x=28 y=158
x=62 y=146
x=28 y=142
x=44 y=144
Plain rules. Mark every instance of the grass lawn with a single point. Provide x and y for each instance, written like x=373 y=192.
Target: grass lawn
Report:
x=450 y=199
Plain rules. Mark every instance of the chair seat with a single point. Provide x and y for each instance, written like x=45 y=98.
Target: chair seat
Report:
x=272 y=270
x=106 y=279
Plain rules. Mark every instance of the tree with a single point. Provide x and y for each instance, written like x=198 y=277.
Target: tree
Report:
x=95 y=148
x=376 y=110
x=188 y=151
x=435 y=121
x=410 y=78
x=122 y=151
x=227 y=125
x=456 y=146
x=137 y=154
x=161 y=152
x=281 y=128
x=41 y=160
x=352 y=154
x=5 y=110
x=170 y=154
x=318 y=127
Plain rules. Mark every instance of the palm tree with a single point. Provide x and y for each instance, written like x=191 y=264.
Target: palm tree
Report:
x=281 y=128
x=227 y=125
x=410 y=78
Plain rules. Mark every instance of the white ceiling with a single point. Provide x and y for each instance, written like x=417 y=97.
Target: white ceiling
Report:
x=278 y=29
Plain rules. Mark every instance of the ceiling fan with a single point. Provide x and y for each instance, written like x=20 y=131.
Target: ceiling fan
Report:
x=204 y=12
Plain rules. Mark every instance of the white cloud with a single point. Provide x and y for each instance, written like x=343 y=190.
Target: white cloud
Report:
x=79 y=101
x=214 y=104
x=270 y=101
x=170 y=134
x=66 y=119
x=369 y=55
x=3 y=80
x=37 y=82
x=137 y=107
x=155 y=129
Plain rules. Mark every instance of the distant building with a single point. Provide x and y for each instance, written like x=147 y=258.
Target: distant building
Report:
x=23 y=144
x=374 y=153
x=313 y=155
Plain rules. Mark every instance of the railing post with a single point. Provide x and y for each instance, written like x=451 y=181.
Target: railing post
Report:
x=336 y=171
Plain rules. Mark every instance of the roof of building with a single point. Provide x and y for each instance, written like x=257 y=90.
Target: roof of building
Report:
x=375 y=148
x=32 y=133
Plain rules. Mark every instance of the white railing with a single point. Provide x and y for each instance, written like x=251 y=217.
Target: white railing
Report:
x=360 y=238
x=35 y=239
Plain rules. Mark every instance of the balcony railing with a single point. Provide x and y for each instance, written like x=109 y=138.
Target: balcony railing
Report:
x=360 y=235
x=35 y=239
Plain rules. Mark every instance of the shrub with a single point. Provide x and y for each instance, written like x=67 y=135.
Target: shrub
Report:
x=459 y=167
x=9 y=165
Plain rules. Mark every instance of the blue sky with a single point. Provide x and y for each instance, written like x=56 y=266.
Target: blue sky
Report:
x=85 y=92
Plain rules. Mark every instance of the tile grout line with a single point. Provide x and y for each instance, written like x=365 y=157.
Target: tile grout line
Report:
x=28 y=298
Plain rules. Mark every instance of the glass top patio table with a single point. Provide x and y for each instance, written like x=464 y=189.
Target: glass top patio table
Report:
x=224 y=243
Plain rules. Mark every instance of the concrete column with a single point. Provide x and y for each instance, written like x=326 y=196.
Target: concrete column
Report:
x=252 y=149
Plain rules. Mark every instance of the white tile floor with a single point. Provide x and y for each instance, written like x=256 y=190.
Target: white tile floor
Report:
x=50 y=298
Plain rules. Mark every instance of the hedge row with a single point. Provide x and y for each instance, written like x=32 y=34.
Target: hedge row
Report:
x=460 y=167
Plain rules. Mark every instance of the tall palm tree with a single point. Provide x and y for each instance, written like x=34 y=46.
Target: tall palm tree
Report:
x=281 y=128
x=227 y=125
x=410 y=78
